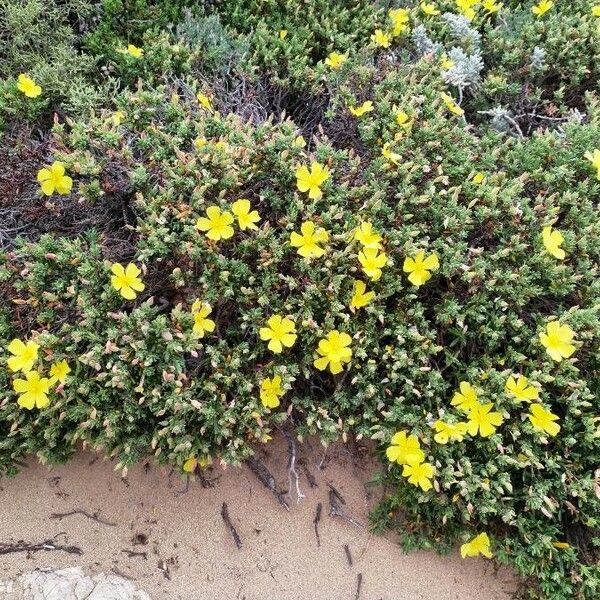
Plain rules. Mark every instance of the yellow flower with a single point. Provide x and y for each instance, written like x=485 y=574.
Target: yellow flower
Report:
x=542 y=7
x=594 y=158
x=367 y=236
x=335 y=60
x=557 y=340
x=205 y=102
x=334 y=351
x=311 y=180
x=283 y=34
x=28 y=86
x=24 y=355
x=449 y=432
x=271 y=391
x=466 y=8
x=466 y=399
x=482 y=419
x=217 y=224
x=53 y=179
x=280 y=332
x=404 y=449
x=429 y=8
x=380 y=38
x=561 y=545
x=189 y=466
x=33 y=390
x=446 y=62
x=419 y=267
x=117 y=117
x=200 y=142
x=451 y=104
x=372 y=261
x=202 y=324
x=59 y=372
x=402 y=118
x=359 y=111
x=552 y=239
x=246 y=218
x=308 y=241
x=400 y=18
x=491 y=6
x=521 y=389
x=390 y=155
x=360 y=296
x=478 y=178
x=419 y=474
x=132 y=51
x=543 y=419
x=299 y=141
x=480 y=544
x=126 y=280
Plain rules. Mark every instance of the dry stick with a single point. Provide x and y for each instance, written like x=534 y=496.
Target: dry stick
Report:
x=316 y=522
x=264 y=476
x=79 y=511
x=335 y=510
x=336 y=493
x=292 y=473
x=358 y=586
x=309 y=476
x=348 y=554
x=227 y=521
x=132 y=553
x=46 y=546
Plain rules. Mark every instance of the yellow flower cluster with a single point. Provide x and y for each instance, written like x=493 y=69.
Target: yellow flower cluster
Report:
x=34 y=389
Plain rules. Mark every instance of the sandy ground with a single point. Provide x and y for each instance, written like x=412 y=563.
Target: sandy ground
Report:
x=175 y=545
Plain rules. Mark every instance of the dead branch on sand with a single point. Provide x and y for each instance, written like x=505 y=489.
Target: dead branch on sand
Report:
x=85 y=513
x=229 y=524
x=46 y=545
x=264 y=476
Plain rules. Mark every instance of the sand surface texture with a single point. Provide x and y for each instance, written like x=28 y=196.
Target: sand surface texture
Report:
x=174 y=545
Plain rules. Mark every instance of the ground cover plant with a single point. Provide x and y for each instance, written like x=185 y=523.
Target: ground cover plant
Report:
x=377 y=222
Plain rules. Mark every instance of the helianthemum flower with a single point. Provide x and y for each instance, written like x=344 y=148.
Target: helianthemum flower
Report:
x=552 y=239
x=311 y=180
x=429 y=8
x=334 y=352
x=271 y=391
x=59 y=372
x=466 y=8
x=205 y=102
x=280 y=332
x=543 y=419
x=381 y=38
x=363 y=109
x=400 y=18
x=367 y=236
x=202 y=324
x=216 y=224
x=419 y=268
x=308 y=240
x=372 y=261
x=126 y=280
x=404 y=449
x=451 y=105
x=594 y=158
x=28 y=86
x=33 y=390
x=132 y=50
x=335 y=60
x=482 y=420
x=24 y=355
x=390 y=155
x=491 y=6
x=419 y=474
x=449 y=432
x=521 y=389
x=479 y=545
x=466 y=398
x=360 y=296
x=246 y=217
x=53 y=179
x=557 y=340
x=542 y=7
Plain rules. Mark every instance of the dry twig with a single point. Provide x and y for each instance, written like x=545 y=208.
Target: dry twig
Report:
x=229 y=524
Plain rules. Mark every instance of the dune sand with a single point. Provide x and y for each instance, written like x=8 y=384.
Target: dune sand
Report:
x=174 y=544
